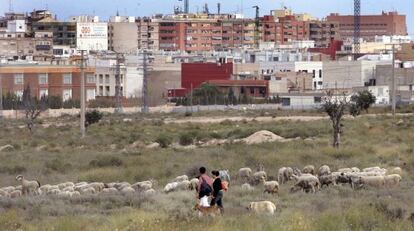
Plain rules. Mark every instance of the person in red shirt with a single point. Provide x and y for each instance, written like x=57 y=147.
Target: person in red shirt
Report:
x=205 y=184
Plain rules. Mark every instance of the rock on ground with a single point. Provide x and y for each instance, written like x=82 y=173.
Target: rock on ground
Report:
x=262 y=137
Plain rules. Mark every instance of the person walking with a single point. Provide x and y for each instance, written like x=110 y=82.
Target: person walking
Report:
x=205 y=187
x=217 y=191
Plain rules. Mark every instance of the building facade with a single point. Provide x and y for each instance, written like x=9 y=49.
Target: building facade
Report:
x=390 y=23
x=62 y=81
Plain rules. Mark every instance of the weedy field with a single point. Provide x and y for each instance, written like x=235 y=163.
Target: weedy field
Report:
x=114 y=150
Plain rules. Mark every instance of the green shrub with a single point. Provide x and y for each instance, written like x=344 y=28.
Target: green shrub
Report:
x=164 y=141
x=92 y=117
x=57 y=165
x=106 y=161
x=186 y=139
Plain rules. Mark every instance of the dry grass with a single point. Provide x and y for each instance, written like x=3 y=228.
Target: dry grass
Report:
x=105 y=155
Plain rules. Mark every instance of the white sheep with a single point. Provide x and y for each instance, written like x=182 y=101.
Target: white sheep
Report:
x=150 y=191
x=181 y=178
x=81 y=183
x=284 y=174
x=344 y=170
x=194 y=183
x=15 y=194
x=258 y=177
x=87 y=191
x=8 y=189
x=65 y=185
x=122 y=185
x=306 y=182
x=271 y=187
x=244 y=173
x=324 y=170
x=110 y=191
x=28 y=186
x=3 y=193
x=142 y=186
x=127 y=190
x=97 y=186
x=170 y=187
x=309 y=169
x=392 y=180
x=68 y=189
x=54 y=192
x=262 y=207
x=372 y=181
x=396 y=170
x=355 y=169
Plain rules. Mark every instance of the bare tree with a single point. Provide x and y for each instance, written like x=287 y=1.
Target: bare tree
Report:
x=32 y=107
x=336 y=107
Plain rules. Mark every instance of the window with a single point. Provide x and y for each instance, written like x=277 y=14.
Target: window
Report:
x=90 y=94
x=67 y=94
x=67 y=78
x=320 y=73
x=100 y=79
x=90 y=78
x=317 y=99
x=107 y=79
x=18 y=79
x=43 y=92
x=43 y=78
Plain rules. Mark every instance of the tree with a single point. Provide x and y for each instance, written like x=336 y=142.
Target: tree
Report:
x=92 y=117
x=206 y=94
x=336 y=107
x=362 y=101
x=32 y=107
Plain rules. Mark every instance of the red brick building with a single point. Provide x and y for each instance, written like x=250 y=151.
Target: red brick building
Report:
x=63 y=81
x=284 y=29
x=390 y=23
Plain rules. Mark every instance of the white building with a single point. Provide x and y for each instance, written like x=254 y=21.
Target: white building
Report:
x=396 y=39
x=92 y=36
x=16 y=26
x=315 y=68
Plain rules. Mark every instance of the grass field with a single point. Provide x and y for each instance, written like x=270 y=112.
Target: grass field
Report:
x=55 y=154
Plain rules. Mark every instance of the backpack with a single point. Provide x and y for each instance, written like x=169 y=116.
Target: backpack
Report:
x=205 y=188
x=225 y=185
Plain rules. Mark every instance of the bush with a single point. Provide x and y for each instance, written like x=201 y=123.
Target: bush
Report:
x=57 y=165
x=92 y=117
x=17 y=169
x=164 y=141
x=102 y=103
x=186 y=139
x=68 y=104
x=106 y=161
x=55 y=102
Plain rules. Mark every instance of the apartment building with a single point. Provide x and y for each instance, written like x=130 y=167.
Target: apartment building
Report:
x=387 y=23
x=323 y=32
x=49 y=80
x=283 y=30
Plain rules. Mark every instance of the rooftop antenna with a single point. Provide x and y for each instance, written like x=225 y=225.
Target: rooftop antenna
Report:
x=218 y=8
x=10 y=5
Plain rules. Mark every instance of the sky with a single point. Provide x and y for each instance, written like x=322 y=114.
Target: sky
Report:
x=105 y=8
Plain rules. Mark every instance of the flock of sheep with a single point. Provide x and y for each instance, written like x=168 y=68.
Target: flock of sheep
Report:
x=307 y=180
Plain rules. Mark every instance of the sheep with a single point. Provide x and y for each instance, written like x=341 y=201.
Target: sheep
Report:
x=284 y=174
x=258 y=177
x=53 y=192
x=28 y=186
x=65 y=185
x=392 y=180
x=181 y=178
x=128 y=190
x=327 y=180
x=244 y=173
x=296 y=171
x=306 y=183
x=372 y=169
x=122 y=185
x=143 y=186
x=371 y=181
x=247 y=187
x=271 y=187
x=109 y=190
x=324 y=170
x=44 y=188
x=309 y=169
x=15 y=194
x=8 y=189
x=183 y=185
x=150 y=191
x=355 y=169
x=87 y=191
x=194 y=183
x=4 y=193
x=396 y=170
x=344 y=170
x=68 y=189
x=170 y=187
x=97 y=186
x=224 y=175
x=81 y=184
x=262 y=207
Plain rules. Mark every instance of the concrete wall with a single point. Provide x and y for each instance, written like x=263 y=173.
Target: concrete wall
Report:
x=123 y=37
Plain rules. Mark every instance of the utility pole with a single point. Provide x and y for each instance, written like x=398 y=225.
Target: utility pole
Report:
x=82 y=96
x=118 y=92
x=145 y=108
x=1 y=96
x=394 y=95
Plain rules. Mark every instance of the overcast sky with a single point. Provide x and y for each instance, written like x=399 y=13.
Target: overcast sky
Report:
x=106 y=8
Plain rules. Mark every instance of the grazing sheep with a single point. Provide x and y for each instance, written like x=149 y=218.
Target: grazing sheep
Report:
x=53 y=192
x=97 y=186
x=327 y=180
x=344 y=170
x=65 y=185
x=127 y=190
x=15 y=194
x=122 y=185
x=181 y=178
x=81 y=184
x=110 y=190
x=307 y=183
x=396 y=170
x=284 y=174
x=372 y=169
x=4 y=193
x=392 y=180
x=170 y=187
x=183 y=185
x=355 y=169
x=8 y=189
x=68 y=189
x=371 y=181
x=309 y=169
x=258 y=177
x=296 y=171
x=262 y=207
x=271 y=187
x=28 y=186
x=87 y=191
x=150 y=191
x=244 y=173
x=247 y=187
x=324 y=170
x=75 y=193
x=194 y=183
x=142 y=186
x=224 y=175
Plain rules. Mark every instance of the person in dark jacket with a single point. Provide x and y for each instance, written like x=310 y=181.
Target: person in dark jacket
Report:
x=205 y=184
x=217 y=191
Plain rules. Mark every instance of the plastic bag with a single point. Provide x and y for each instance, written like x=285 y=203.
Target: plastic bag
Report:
x=204 y=202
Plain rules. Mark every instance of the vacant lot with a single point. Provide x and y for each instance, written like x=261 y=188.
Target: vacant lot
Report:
x=113 y=151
